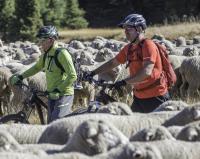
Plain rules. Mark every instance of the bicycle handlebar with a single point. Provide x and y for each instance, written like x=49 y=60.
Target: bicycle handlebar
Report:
x=101 y=83
x=32 y=90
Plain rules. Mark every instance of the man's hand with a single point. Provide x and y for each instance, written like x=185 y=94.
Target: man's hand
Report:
x=14 y=79
x=54 y=95
x=88 y=75
x=119 y=84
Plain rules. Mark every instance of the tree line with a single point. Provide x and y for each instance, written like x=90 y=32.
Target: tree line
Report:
x=107 y=13
x=20 y=19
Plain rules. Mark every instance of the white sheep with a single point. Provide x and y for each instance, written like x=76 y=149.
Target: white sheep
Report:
x=6 y=94
x=190 y=71
x=128 y=151
x=187 y=115
x=104 y=55
x=175 y=130
x=180 y=41
x=7 y=142
x=152 y=134
x=196 y=40
x=59 y=131
x=93 y=137
x=176 y=62
x=171 y=105
x=76 y=44
x=173 y=150
x=191 y=51
x=24 y=133
x=116 y=108
x=190 y=132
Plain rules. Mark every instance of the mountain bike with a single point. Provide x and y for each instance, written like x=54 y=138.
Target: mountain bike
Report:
x=35 y=102
x=31 y=103
x=102 y=98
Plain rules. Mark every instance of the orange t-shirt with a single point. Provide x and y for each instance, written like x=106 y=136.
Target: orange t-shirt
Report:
x=148 y=52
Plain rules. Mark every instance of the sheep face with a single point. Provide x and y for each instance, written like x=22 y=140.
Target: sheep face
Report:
x=86 y=59
x=94 y=137
x=141 y=152
x=152 y=134
x=157 y=134
x=190 y=133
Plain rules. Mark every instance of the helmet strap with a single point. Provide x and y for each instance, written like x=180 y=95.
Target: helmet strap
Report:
x=49 y=48
x=136 y=38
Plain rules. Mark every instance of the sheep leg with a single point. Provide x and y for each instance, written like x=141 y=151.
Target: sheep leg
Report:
x=1 y=108
x=192 y=90
x=92 y=95
x=183 y=86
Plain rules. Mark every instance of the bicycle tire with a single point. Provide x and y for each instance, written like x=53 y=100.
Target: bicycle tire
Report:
x=13 y=118
x=77 y=112
x=82 y=111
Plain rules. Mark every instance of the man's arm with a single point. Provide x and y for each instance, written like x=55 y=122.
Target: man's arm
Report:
x=145 y=72
x=106 y=67
x=38 y=66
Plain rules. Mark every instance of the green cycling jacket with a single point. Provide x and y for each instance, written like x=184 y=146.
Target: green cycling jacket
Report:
x=54 y=76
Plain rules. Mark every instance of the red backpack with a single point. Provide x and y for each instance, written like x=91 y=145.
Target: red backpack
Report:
x=167 y=67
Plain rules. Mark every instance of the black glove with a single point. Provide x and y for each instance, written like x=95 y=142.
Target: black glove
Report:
x=87 y=76
x=16 y=79
x=117 y=85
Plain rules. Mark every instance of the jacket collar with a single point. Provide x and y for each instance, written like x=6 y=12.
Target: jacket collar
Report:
x=51 y=51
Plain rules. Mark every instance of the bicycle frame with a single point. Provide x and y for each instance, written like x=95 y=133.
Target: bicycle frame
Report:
x=29 y=105
x=103 y=97
x=34 y=102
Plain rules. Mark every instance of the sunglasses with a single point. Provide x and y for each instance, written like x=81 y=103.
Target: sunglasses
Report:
x=128 y=27
x=41 y=40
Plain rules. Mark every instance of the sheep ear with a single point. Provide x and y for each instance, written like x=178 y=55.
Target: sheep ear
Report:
x=192 y=134
x=92 y=132
x=169 y=108
x=90 y=142
x=148 y=136
x=137 y=154
x=196 y=114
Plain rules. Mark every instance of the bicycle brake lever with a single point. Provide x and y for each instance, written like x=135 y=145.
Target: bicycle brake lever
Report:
x=46 y=93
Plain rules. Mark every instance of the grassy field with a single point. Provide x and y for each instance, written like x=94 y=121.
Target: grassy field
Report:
x=188 y=30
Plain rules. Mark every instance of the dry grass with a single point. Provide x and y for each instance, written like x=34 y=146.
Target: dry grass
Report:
x=89 y=34
x=188 y=30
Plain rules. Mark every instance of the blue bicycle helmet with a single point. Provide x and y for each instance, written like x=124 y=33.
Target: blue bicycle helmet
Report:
x=134 y=20
x=47 y=32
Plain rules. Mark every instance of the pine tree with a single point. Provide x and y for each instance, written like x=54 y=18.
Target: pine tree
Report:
x=27 y=20
x=7 y=8
x=54 y=12
x=74 y=16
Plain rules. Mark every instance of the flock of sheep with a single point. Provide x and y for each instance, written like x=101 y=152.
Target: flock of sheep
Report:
x=114 y=132
x=121 y=134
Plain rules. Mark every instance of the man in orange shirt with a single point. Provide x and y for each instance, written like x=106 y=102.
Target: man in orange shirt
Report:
x=142 y=57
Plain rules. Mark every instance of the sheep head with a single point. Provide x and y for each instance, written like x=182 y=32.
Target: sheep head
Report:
x=94 y=137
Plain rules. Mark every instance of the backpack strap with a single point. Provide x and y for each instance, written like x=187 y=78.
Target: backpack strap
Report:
x=139 y=54
x=58 y=64
x=44 y=58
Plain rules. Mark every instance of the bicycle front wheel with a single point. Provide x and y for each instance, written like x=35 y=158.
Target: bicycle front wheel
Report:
x=13 y=118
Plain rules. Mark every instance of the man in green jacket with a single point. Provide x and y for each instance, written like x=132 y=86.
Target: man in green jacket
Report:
x=59 y=82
